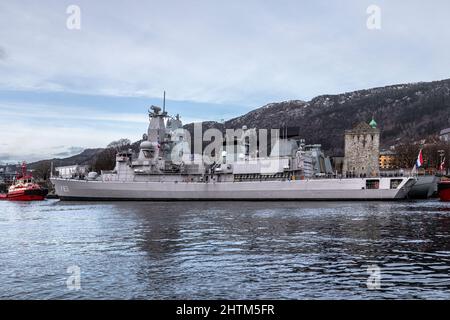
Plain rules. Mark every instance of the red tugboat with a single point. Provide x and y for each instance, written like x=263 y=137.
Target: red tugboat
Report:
x=444 y=189
x=24 y=188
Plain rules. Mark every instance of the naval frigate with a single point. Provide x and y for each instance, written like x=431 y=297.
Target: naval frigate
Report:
x=166 y=169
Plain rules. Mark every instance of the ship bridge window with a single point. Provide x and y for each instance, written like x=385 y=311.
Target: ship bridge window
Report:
x=395 y=183
x=373 y=184
x=148 y=153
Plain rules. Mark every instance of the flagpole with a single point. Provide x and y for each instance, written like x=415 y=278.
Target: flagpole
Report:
x=442 y=159
x=418 y=164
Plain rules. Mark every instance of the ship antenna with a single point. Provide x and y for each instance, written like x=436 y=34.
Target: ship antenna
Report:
x=164 y=102
x=24 y=169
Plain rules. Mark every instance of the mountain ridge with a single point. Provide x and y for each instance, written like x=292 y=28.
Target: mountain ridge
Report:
x=405 y=113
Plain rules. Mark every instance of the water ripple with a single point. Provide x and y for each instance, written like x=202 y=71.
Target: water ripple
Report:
x=228 y=250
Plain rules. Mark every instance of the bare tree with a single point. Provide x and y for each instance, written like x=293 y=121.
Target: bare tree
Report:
x=407 y=155
x=119 y=144
x=42 y=171
x=106 y=160
x=431 y=152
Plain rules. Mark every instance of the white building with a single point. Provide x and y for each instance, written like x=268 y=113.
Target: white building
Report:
x=72 y=171
x=444 y=135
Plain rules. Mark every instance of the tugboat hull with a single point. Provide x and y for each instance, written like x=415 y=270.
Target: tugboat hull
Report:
x=424 y=188
x=27 y=195
x=444 y=190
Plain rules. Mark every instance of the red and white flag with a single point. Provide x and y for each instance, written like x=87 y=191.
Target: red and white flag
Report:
x=419 y=161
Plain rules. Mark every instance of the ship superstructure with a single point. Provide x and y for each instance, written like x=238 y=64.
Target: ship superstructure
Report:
x=166 y=169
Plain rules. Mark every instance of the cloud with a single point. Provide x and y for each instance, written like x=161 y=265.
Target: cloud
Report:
x=5 y=157
x=70 y=152
x=2 y=53
x=217 y=59
x=45 y=127
x=243 y=52
x=38 y=142
x=61 y=112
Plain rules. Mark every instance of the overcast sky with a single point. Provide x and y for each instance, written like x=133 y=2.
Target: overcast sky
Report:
x=63 y=90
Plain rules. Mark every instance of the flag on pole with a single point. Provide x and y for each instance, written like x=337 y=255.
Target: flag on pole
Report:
x=414 y=170
x=419 y=161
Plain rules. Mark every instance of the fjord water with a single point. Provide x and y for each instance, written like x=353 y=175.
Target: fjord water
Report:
x=225 y=250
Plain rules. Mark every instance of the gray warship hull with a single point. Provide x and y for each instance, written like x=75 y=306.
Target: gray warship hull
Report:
x=314 y=189
x=424 y=188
